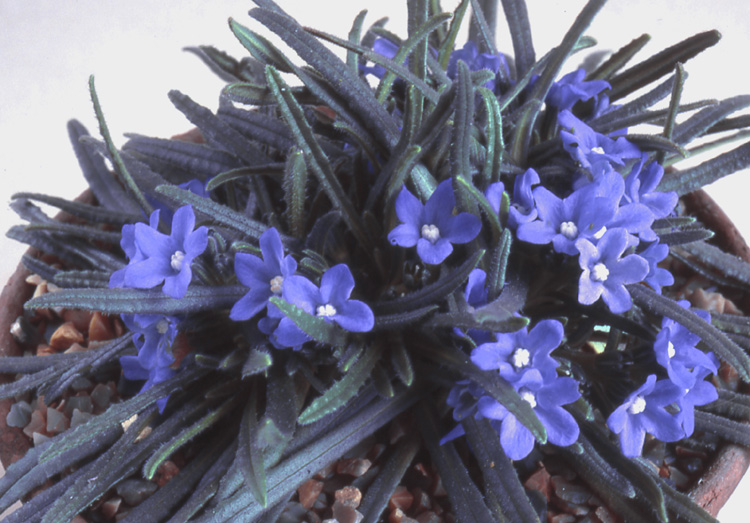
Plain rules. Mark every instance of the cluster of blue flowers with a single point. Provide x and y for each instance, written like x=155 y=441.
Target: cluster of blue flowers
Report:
x=155 y=259
x=665 y=407
x=274 y=275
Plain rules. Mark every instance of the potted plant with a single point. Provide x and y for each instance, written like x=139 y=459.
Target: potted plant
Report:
x=428 y=251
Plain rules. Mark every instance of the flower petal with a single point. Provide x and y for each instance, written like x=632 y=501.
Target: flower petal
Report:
x=354 y=316
x=404 y=235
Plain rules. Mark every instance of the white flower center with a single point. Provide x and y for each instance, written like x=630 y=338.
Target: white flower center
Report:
x=529 y=397
x=176 y=260
x=162 y=327
x=276 y=283
x=326 y=311
x=597 y=150
x=520 y=358
x=430 y=233
x=670 y=350
x=569 y=230
x=638 y=405
x=600 y=233
x=599 y=272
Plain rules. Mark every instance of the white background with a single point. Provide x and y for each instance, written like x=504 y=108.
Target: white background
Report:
x=49 y=48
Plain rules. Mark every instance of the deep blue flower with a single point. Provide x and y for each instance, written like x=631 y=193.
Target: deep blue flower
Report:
x=384 y=47
x=463 y=399
x=330 y=301
x=676 y=350
x=522 y=208
x=643 y=411
x=432 y=227
x=134 y=370
x=475 y=294
x=513 y=354
x=476 y=61
x=594 y=151
x=546 y=397
x=700 y=393
x=131 y=250
x=563 y=221
x=265 y=277
x=656 y=277
x=641 y=184
x=494 y=195
x=158 y=258
x=153 y=335
x=605 y=272
x=572 y=88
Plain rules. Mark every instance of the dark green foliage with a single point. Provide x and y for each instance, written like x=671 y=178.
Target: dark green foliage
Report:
x=322 y=158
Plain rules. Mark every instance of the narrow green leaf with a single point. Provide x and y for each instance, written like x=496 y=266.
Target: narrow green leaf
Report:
x=505 y=494
x=402 y=362
x=449 y=42
x=355 y=33
x=394 y=322
x=688 y=180
x=481 y=201
x=480 y=27
x=498 y=265
x=380 y=491
x=295 y=182
x=261 y=48
x=660 y=64
x=257 y=361
x=495 y=141
x=182 y=437
x=220 y=214
x=140 y=301
x=314 y=155
x=618 y=60
x=343 y=390
x=517 y=17
x=674 y=102
x=249 y=455
x=114 y=154
x=466 y=500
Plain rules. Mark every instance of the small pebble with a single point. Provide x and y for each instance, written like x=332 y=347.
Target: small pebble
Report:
x=65 y=336
x=79 y=418
x=308 y=492
x=346 y=514
x=349 y=496
x=353 y=466
x=101 y=395
x=110 y=507
x=56 y=421
x=401 y=499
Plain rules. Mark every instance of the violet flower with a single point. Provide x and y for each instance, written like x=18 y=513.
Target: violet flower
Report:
x=384 y=47
x=700 y=393
x=643 y=412
x=329 y=301
x=676 y=351
x=641 y=184
x=153 y=335
x=594 y=151
x=476 y=61
x=546 y=397
x=656 y=277
x=563 y=221
x=572 y=88
x=522 y=207
x=514 y=354
x=158 y=258
x=264 y=277
x=605 y=272
x=432 y=227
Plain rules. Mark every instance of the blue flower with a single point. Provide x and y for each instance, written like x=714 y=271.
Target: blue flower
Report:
x=522 y=208
x=383 y=47
x=157 y=258
x=572 y=88
x=676 y=351
x=643 y=411
x=605 y=273
x=513 y=354
x=264 y=278
x=475 y=295
x=330 y=301
x=546 y=397
x=594 y=151
x=476 y=62
x=432 y=227
x=153 y=335
x=134 y=370
x=700 y=393
x=131 y=250
x=641 y=184
x=494 y=195
x=656 y=277
x=563 y=221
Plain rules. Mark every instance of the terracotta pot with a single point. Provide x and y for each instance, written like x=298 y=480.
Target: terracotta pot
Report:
x=712 y=492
